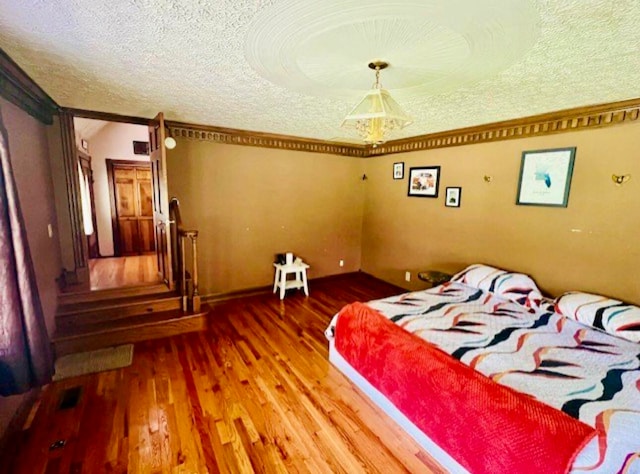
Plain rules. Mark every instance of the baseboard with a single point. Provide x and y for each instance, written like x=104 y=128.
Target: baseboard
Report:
x=231 y=295
x=259 y=290
x=400 y=288
x=263 y=290
x=12 y=434
x=337 y=276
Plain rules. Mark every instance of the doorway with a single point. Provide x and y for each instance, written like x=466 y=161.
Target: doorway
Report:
x=121 y=247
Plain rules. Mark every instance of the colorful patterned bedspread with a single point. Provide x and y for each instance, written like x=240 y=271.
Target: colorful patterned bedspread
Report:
x=584 y=372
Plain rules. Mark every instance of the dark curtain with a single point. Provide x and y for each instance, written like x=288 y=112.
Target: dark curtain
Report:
x=25 y=352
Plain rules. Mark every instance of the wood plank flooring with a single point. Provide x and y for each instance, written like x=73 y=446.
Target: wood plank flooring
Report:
x=116 y=272
x=254 y=392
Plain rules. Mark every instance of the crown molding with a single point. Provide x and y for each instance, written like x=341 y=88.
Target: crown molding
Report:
x=106 y=116
x=562 y=121
x=17 y=87
x=568 y=120
x=233 y=136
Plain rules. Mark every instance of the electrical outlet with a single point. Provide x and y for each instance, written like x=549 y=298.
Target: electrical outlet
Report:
x=407 y=276
x=342 y=263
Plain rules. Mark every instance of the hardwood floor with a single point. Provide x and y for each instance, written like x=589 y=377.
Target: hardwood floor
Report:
x=254 y=392
x=116 y=272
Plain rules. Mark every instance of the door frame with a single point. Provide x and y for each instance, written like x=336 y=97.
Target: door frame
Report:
x=85 y=163
x=80 y=274
x=115 y=227
x=161 y=213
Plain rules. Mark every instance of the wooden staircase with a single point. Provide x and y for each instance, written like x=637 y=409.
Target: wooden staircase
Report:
x=91 y=320
x=94 y=319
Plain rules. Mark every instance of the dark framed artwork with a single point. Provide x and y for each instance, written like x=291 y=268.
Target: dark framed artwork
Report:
x=545 y=177
x=140 y=148
x=398 y=170
x=424 y=181
x=452 y=197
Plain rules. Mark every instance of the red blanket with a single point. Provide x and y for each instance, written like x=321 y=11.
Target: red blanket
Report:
x=486 y=427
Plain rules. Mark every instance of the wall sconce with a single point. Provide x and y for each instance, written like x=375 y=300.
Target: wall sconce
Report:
x=620 y=179
x=169 y=141
x=487 y=178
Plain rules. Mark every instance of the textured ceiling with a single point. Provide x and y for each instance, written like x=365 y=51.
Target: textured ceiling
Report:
x=297 y=67
x=87 y=128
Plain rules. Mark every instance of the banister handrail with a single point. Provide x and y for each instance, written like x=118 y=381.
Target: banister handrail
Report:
x=178 y=249
x=174 y=211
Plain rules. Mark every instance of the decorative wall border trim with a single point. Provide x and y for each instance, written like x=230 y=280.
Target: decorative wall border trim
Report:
x=569 y=120
x=17 y=87
x=266 y=140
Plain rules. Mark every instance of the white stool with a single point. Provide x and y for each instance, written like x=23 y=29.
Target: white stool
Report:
x=300 y=281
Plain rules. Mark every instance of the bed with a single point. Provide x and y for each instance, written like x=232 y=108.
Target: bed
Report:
x=489 y=376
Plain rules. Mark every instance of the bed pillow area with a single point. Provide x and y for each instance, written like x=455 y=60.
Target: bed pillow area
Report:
x=516 y=287
x=613 y=316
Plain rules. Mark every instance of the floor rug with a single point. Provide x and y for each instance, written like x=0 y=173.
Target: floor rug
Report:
x=100 y=360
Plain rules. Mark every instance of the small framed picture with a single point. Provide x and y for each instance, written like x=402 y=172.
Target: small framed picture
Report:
x=140 y=148
x=398 y=170
x=85 y=144
x=452 y=197
x=545 y=177
x=424 y=181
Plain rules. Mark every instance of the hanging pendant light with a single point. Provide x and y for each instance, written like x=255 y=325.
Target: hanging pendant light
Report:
x=377 y=113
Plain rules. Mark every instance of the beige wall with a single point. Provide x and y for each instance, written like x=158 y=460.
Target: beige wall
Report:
x=30 y=161
x=592 y=245
x=115 y=142
x=249 y=203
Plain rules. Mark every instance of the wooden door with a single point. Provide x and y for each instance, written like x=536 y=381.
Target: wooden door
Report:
x=133 y=233
x=161 y=222
x=125 y=196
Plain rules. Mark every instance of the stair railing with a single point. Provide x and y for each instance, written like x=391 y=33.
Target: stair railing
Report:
x=190 y=293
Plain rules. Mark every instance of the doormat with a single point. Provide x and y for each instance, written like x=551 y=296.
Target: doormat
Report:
x=92 y=362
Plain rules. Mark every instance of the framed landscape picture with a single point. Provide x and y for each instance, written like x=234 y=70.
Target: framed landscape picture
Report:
x=424 y=181
x=545 y=177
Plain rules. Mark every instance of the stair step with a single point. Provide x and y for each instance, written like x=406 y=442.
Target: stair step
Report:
x=133 y=329
x=112 y=293
x=96 y=305
x=113 y=310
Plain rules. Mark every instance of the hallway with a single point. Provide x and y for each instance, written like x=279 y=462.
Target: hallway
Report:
x=105 y=273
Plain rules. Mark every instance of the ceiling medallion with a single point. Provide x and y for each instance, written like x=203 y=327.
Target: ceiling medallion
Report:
x=318 y=48
x=377 y=114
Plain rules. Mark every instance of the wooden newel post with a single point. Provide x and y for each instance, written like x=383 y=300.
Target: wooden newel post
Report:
x=183 y=279
x=195 y=298
x=180 y=250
